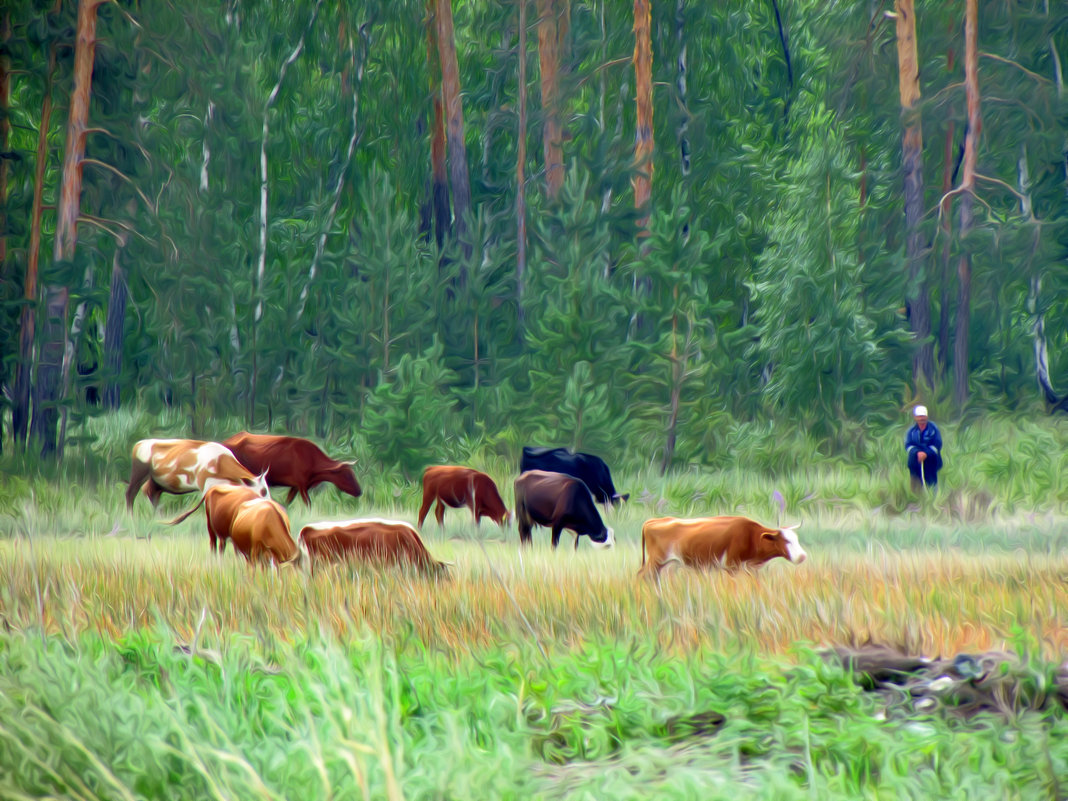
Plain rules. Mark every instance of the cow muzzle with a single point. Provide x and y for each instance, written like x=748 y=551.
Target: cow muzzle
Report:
x=608 y=542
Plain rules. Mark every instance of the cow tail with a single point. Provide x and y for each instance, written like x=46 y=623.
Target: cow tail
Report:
x=643 y=546
x=184 y=515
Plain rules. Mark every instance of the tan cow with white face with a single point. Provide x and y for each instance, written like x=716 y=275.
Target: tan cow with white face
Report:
x=730 y=542
x=180 y=466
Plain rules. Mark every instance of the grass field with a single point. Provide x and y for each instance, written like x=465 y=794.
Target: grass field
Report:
x=133 y=664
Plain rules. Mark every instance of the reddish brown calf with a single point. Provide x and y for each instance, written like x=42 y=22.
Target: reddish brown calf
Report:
x=448 y=485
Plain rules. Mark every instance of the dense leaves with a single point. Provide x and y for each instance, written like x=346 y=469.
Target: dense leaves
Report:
x=770 y=282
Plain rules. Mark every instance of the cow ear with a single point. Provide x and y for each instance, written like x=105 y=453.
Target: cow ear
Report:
x=770 y=535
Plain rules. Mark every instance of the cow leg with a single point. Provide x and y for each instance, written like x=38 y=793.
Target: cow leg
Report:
x=305 y=496
x=139 y=473
x=576 y=541
x=292 y=494
x=152 y=491
x=524 y=533
x=557 y=530
x=427 y=500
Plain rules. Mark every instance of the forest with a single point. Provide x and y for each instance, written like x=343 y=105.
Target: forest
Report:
x=421 y=230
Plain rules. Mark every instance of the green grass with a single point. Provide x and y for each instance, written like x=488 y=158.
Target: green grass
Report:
x=134 y=664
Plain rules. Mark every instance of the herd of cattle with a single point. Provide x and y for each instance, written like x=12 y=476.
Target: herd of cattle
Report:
x=556 y=488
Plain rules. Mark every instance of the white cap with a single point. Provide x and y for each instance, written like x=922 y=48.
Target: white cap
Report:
x=919 y=411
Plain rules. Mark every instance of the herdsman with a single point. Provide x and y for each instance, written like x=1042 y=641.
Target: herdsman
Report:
x=923 y=446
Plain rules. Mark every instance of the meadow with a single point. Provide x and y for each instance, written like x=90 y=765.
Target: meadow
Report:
x=134 y=664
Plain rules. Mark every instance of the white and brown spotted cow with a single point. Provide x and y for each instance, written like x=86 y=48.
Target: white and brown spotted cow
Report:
x=730 y=542
x=179 y=466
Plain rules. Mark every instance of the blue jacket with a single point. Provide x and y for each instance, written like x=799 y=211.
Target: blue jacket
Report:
x=929 y=440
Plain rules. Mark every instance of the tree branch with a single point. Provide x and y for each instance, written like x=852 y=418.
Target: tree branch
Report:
x=1024 y=69
x=124 y=177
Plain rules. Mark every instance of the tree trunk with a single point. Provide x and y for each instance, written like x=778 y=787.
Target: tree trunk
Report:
x=115 y=332
x=20 y=415
x=680 y=87
x=6 y=271
x=520 y=170
x=916 y=294
x=261 y=264
x=643 y=139
x=342 y=171
x=439 y=188
x=967 y=201
x=549 y=40
x=50 y=372
x=459 y=180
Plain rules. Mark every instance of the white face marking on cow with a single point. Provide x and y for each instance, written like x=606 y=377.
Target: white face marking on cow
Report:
x=326 y=525
x=609 y=541
x=794 y=552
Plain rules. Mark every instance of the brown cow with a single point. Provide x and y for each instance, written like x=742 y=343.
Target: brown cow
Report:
x=447 y=485
x=180 y=466
x=731 y=542
x=370 y=540
x=292 y=462
x=258 y=527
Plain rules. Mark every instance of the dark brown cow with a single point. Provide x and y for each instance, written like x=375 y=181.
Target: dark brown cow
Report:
x=258 y=527
x=448 y=485
x=730 y=542
x=292 y=462
x=558 y=501
x=381 y=542
x=179 y=466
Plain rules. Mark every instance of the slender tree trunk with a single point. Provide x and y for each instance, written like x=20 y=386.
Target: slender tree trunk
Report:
x=439 y=189
x=549 y=63
x=459 y=179
x=643 y=139
x=28 y=319
x=261 y=264
x=681 y=67
x=342 y=171
x=5 y=137
x=115 y=331
x=916 y=299
x=967 y=201
x=520 y=168
x=6 y=270
x=50 y=377
x=946 y=214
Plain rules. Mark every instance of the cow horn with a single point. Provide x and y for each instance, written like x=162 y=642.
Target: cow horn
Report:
x=794 y=527
x=349 y=462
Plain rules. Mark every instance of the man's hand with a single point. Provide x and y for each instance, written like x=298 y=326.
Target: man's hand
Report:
x=921 y=456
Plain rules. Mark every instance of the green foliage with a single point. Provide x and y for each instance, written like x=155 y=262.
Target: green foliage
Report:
x=410 y=420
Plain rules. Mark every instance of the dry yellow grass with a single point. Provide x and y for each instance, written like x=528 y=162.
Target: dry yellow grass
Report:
x=934 y=602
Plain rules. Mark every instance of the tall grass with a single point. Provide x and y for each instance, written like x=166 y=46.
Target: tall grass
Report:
x=135 y=664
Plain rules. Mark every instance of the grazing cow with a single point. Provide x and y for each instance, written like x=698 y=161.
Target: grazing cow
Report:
x=258 y=527
x=447 y=485
x=179 y=466
x=731 y=542
x=292 y=462
x=370 y=540
x=558 y=501
x=584 y=466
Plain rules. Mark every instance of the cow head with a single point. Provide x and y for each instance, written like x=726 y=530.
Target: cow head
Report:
x=259 y=484
x=344 y=478
x=782 y=542
x=605 y=538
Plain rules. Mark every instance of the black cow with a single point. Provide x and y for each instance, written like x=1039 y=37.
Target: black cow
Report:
x=558 y=501
x=586 y=467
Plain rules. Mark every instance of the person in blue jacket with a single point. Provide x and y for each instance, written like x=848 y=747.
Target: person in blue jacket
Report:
x=923 y=446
